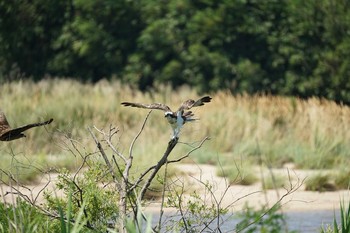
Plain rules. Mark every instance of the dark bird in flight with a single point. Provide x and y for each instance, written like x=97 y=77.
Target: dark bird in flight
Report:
x=176 y=119
x=8 y=134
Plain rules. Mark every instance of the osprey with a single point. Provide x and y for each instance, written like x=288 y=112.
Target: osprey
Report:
x=8 y=134
x=176 y=119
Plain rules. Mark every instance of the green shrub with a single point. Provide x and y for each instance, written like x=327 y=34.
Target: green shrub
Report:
x=91 y=189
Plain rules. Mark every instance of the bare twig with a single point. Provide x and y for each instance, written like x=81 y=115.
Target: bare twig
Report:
x=161 y=211
x=188 y=153
x=138 y=135
x=182 y=214
x=289 y=191
x=42 y=189
x=108 y=138
x=123 y=183
x=120 y=186
x=217 y=202
x=109 y=165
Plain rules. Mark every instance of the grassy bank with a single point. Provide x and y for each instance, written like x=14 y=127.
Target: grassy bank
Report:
x=311 y=133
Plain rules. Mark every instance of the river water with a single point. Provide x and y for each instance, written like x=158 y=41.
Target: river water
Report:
x=311 y=221
x=303 y=222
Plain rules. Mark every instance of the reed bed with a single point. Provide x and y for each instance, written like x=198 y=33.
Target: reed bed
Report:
x=312 y=133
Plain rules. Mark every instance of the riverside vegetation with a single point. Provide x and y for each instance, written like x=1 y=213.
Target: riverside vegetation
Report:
x=311 y=133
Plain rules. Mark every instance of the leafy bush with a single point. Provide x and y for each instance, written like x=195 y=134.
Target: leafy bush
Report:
x=100 y=203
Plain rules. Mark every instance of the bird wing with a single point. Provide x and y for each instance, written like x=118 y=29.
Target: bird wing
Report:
x=4 y=125
x=158 y=106
x=188 y=114
x=188 y=104
x=21 y=129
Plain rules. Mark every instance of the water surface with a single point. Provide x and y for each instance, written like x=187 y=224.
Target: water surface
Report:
x=300 y=221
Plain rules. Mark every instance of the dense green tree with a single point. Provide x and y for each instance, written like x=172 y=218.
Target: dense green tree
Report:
x=26 y=31
x=97 y=39
x=271 y=46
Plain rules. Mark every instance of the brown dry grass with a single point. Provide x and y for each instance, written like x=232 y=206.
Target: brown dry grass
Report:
x=311 y=133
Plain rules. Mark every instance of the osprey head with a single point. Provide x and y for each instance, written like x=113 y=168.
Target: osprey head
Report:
x=171 y=117
x=168 y=114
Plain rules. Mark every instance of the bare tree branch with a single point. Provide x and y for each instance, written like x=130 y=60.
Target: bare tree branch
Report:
x=137 y=135
x=172 y=143
x=99 y=146
x=108 y=139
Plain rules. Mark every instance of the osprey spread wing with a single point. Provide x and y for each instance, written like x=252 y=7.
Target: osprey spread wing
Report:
x=8 y=134
x=149 y=106
x=176 y=119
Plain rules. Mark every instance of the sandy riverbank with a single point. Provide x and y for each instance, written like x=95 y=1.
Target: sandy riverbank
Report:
x=297 y=200
x=234 y=196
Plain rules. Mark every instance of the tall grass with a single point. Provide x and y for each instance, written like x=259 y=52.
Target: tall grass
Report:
x=312 y=133
x=344 y=225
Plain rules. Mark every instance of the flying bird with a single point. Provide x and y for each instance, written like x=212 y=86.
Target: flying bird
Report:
x=178 y=118
x=8 y=134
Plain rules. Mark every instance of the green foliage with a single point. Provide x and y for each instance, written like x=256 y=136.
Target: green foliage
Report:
x=27 y=47
x=344 y=226
x=22 y=217
x=65 y=37
x=100 y=205
x=97 y=35
x=264 y=220
x=279 y=47
x=65 y=219
x=26 y=218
